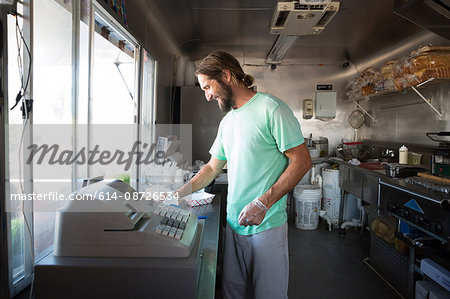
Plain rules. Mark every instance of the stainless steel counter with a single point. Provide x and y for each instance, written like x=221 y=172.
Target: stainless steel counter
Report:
x=210 y=242
x=399 y=182
x=378 y=173
x=359 y=181
x=78 y=277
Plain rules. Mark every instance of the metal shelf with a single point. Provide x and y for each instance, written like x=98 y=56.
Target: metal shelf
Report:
x=364 y=111
x=428 y=84
x=426 y=100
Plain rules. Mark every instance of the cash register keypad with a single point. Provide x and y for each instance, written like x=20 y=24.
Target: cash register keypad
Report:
x=173 y=222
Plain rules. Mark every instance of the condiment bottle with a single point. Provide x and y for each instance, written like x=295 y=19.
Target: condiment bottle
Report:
x=403 y=155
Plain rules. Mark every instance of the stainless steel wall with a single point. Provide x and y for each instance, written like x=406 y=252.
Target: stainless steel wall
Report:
x=396 y=119
x=294 y=83
x=406 y=118
x=401 y=117
x=297 y=81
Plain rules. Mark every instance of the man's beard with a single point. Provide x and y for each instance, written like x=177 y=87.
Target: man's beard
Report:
x=226 y=97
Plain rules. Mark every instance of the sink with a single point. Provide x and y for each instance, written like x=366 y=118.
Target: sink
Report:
x=372 y=160
x=380 y=159
x=372 y=165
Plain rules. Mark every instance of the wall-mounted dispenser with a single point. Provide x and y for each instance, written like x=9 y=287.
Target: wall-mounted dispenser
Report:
x=325 y=104
x=308 y=109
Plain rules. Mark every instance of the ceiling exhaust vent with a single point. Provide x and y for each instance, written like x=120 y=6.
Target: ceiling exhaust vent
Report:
x=302 y=17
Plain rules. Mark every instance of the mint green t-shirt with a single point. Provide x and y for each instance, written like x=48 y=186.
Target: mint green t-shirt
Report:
x=252 y=140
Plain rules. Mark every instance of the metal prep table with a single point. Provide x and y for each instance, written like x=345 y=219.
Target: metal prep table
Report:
x=195 y=277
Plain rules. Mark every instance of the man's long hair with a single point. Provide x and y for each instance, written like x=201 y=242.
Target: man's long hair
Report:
x=217 y=61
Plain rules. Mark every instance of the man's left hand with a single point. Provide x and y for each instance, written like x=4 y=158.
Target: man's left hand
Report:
x=253 y=213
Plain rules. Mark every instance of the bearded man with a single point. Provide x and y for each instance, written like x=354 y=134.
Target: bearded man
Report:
x=261 y=141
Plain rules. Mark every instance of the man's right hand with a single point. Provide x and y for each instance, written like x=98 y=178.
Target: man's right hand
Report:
x=253 y=213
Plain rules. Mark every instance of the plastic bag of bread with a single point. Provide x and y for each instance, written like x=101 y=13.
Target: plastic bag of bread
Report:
x=354 y=89
x=401 y=246
x=433 y=65
x=367 y=90
x=387 y=233
x=406 y=81
x=369 y=76
x=374 y=227
x=402 y=67
x=387 y=74
x=379 y=228
x=432 y=48
x=390 y=235
x=387 y=70
x=389 y=84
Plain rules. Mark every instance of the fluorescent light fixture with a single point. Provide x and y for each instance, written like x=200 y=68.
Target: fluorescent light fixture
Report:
x=314 y=2
x=280 y=48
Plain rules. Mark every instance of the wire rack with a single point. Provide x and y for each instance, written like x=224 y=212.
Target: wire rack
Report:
x=391 y=264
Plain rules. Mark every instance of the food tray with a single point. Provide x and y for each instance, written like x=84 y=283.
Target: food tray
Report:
x=199 y=198
x=199 y=202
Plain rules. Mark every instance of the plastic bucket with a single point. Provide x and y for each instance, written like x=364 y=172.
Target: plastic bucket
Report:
x=307 y=206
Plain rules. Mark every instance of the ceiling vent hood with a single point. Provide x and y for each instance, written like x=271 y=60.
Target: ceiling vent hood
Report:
x=433 y=15
x=302 y=17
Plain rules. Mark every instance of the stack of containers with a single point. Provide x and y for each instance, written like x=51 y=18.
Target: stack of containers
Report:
x=331 y=194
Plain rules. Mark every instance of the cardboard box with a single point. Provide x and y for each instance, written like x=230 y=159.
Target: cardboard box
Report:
x=436 y=272
x=430 y=290
x=422 y=289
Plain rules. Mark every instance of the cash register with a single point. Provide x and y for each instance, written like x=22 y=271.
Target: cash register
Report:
x=108 y=245
x=111 y=219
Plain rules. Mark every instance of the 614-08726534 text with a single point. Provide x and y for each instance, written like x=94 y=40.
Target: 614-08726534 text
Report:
x=56 y=196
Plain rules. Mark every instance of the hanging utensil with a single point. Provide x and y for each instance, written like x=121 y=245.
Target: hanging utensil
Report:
x=356 y=120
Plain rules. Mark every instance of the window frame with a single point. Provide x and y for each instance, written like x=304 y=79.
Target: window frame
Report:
x=17 y=282
x=98 y=9
x=13 y=287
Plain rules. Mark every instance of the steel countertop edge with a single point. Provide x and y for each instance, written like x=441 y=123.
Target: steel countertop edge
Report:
x=210 y=241
x=395 y=182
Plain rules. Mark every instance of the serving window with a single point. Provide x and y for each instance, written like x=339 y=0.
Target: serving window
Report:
x=83 y=70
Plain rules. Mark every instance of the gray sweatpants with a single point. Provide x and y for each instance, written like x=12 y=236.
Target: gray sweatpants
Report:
x=256 y=266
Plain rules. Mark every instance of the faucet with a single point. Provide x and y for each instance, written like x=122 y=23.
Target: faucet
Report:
x=385 y=151
x=388 y=153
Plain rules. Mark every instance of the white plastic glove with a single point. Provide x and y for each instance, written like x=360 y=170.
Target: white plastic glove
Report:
x=170 y=197
x=253 y=213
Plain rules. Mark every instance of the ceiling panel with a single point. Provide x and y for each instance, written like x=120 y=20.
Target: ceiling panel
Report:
x=231 y=27
x=252 y=4
x=199 y=26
